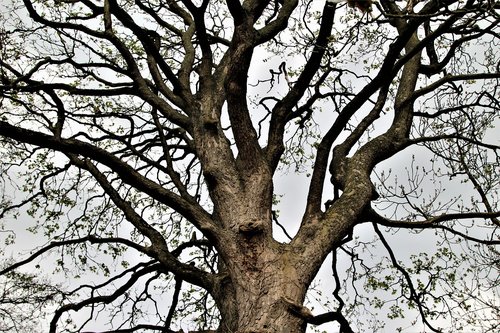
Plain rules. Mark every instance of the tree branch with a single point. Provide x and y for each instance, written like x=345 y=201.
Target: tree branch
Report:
x=434 y=223
x=128 y=174
x=106 y=299
x=413 y=293
x=281 y=112
x=90 y=238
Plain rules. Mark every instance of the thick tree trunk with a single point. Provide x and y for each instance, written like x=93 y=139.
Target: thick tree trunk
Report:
x=263 y=301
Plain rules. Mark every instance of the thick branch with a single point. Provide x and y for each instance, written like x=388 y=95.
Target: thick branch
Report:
x=128 y=174
x=282 y=111
x=158 y=249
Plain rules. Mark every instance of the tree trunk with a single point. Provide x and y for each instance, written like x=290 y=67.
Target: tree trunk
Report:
x=263 y=283
x=263 y=291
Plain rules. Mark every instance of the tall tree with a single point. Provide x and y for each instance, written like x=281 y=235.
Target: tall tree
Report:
x=144 y=138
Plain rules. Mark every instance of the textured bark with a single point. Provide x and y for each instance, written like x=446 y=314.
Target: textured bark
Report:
x=260 y=295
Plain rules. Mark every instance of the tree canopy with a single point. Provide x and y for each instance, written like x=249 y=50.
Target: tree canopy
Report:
x=196 y=163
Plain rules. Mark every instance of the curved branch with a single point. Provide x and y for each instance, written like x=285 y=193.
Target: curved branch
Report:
x=141 y=87
x=306 y=315
x=281 y=112
x=159 y=247
x=106 y=299
x=90 y=238
x=129 y=175
x=435 y=65
x=457 y=136
x=271 y=29
x=433 y=223
x=173 y=305
x=413 y=293
x=451 y=78
x=147 y=41
x=236 y=10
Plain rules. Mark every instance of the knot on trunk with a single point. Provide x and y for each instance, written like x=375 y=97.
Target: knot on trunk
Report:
x=298 y=309
x=251 y=228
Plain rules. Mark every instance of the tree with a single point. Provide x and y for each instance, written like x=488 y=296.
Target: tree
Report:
x=144 y=139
